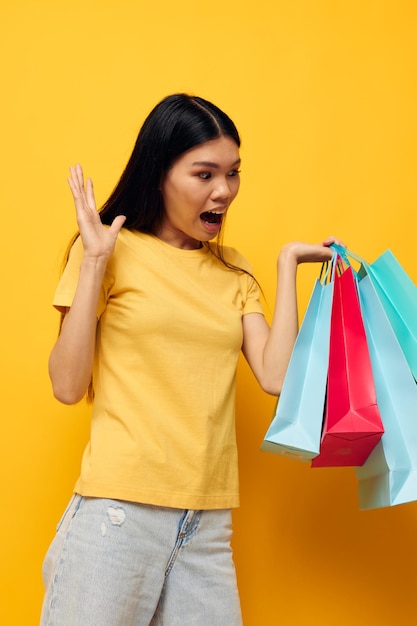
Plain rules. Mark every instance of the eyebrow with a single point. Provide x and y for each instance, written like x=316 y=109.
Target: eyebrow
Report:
x=212 y=164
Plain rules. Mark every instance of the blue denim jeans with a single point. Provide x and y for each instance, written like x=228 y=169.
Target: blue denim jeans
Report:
x=116 y=563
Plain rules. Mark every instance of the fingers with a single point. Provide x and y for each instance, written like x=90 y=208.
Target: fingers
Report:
x=76 y=179
x=330 y=240
x=117 y=224
x=91 y=201
x=83 y=193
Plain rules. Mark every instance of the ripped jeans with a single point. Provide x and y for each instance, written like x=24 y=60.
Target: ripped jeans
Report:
x=115 y=563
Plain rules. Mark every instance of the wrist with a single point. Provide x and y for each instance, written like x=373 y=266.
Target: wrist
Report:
x=94 y=264
x=288 y=256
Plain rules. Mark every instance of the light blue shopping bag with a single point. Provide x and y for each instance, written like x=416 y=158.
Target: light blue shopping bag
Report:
x=389 y=476
x=296 y=427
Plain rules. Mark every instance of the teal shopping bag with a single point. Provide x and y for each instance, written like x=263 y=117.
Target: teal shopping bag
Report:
x=389 y=475
x=398 y=296
x=296 y=427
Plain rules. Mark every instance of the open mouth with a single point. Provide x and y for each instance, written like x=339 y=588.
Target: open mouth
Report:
x=211 y=217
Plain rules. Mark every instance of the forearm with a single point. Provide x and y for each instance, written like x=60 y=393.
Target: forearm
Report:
x=284 y=327
x=71 y=359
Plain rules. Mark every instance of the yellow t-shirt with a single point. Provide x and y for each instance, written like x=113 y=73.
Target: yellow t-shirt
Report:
x=168 y=339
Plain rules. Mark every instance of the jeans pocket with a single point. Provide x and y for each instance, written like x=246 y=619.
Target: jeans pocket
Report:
x=70 y=511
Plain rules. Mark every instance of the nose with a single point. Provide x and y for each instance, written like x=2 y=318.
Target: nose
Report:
x=224 y=190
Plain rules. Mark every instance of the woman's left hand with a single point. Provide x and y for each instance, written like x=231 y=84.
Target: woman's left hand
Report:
x=303 y=252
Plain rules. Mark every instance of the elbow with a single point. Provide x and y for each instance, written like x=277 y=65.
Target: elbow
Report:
x=271 y=390
x=67 y=394
x=273 y=387
x=68 y=387
x=67 y=397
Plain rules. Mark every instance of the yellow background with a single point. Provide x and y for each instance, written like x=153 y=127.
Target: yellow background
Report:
x=324 y=95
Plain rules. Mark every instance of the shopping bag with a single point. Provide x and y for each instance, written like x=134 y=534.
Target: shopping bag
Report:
x=389 y=475
x=398 y=296
x=352 y=424
x=296 y=427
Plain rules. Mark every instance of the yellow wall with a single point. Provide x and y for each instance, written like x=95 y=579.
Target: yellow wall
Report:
x=324 y=94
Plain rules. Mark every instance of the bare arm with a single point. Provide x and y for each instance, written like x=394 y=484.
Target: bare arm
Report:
x=71 y=359
x=268 y=350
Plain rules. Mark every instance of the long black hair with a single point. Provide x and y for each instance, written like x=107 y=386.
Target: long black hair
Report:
x=178 y=123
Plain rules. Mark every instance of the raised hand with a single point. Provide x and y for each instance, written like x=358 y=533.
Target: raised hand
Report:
x=98 y=240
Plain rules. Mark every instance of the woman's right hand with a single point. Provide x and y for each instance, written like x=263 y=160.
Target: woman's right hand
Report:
x=98 y=240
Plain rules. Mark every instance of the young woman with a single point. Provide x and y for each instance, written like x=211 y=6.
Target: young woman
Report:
x=155 y=311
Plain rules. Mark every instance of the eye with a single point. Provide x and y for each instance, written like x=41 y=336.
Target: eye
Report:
x=205 y=175
x=234 y=173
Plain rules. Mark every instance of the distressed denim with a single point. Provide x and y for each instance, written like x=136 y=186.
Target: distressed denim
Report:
x=115 y=563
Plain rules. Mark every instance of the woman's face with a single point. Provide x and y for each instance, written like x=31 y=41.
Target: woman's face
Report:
x=197 y=192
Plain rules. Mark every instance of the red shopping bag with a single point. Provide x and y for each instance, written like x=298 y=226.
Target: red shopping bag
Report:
x=352 y=423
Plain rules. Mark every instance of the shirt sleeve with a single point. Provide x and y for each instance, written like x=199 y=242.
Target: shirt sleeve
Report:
x=253 y=297
x=67 y=285
x=250 y=288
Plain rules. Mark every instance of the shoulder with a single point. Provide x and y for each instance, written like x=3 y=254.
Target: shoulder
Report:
x=132 y=244
x=134 y=239
x=234 y=257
